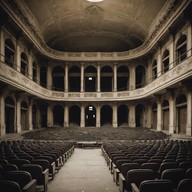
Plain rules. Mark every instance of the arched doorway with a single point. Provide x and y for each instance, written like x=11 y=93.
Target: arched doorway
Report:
x=106 y=115
x=123 y=114
x=90 y=79
x=165 y=115
x=140 y=115
x=58 y=78
x=90 y=116
x=122 y=78
x=9 y=115
x=106 y=79
x=58 y=115
x=24 y=116
x=34 y=116
x=74 y=116
x=43 y=112
x=74 y=79
x=154 y=116
x=140 y=76
x=181 y=106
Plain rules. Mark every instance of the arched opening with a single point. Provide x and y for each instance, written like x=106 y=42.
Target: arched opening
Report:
x=9 y=115
x=154 y=116
x=154 y=70
x=140 y=76
x=74 y=79
x=24 y=64
x=165 y=115
x=181 y=49
x=43 y=114
x=74 y=116
x=123 y=114
x=106 y=115
x=122 y=78
x=34 y=116
x=90 y=116
x=24 y=116
x=181 y=106
x=165 y=61
x=58 y=115
x=34 y=71
x=90 y=79
x=140 y=115
x=9 y=52
x=58 y=78
x=43 y=76
x=106 y=79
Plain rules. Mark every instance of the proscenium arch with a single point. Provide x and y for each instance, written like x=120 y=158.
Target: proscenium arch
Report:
x=106 y=115
x=58 y=115
x=9 y=52
x=9 y=115
x=74 y=116
x=74 y=79
x=123 y=114
x=140 y=115
x=140 y=76
x=122 y=78
x=58 y=78
x=90 y=79
x=24 y=116
x=90 y=116
x=181 y=108
x=106 y=79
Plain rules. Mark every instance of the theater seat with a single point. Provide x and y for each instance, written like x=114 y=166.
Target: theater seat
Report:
x=9 y=186
x=185 y=185
x=154 y=186
x=23 y=178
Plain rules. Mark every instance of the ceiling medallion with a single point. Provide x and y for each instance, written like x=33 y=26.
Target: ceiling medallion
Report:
x=95 y=1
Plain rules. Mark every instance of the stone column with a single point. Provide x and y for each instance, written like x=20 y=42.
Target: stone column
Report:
x=18 y=56
x=159 y=63
x=18 y=115
x=115 y=77
x=82 y=123
x=98 y=77
x=172 y=52
x=38 y=117
x=98 y=116
x=115 y=115
x=189 y=113
x=30 y=115
x=66 y=116
x=159 y=115
x=49 y=77
x=66 y=77
x=132 y=79
x=2 y=116
x=172 y=114
x=132 y=122
x=49 y=116
x=189 y=40
x=38 y=74
x=82 y=77
x=148 y=116
x=2 y=46
x=30 y=66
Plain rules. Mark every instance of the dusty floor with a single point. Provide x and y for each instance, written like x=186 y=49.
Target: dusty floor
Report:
x=85 y=171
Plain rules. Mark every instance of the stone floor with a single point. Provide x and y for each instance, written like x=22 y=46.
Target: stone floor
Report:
x=85 y=171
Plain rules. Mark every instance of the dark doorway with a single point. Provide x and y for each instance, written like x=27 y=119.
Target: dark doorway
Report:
x=58 y=115
x=123 y=114
x=74 y=116
x=140 y=115
x=90 y=116
x=106 y=115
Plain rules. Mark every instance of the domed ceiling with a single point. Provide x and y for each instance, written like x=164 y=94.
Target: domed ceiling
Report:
x=109 y=25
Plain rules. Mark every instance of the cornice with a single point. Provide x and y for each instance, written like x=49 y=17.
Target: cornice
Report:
x=21 y=15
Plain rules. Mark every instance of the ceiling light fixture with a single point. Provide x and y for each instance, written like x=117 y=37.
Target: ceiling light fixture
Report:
x=95 y=1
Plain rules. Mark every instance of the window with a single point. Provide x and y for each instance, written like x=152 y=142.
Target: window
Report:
x=165 y=61
x=181 y=49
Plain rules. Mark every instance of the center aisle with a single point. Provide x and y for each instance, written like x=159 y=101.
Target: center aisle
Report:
x=85 y=171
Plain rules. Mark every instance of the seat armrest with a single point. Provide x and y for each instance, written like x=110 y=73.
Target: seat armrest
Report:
x=122 y=182
x=134 y=187
x=31 y=186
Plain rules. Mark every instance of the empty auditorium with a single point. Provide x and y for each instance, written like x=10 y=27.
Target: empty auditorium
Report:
x=95 y=95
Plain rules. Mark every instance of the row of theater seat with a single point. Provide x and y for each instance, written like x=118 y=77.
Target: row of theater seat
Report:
x=148 y=166
x=29 y=165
